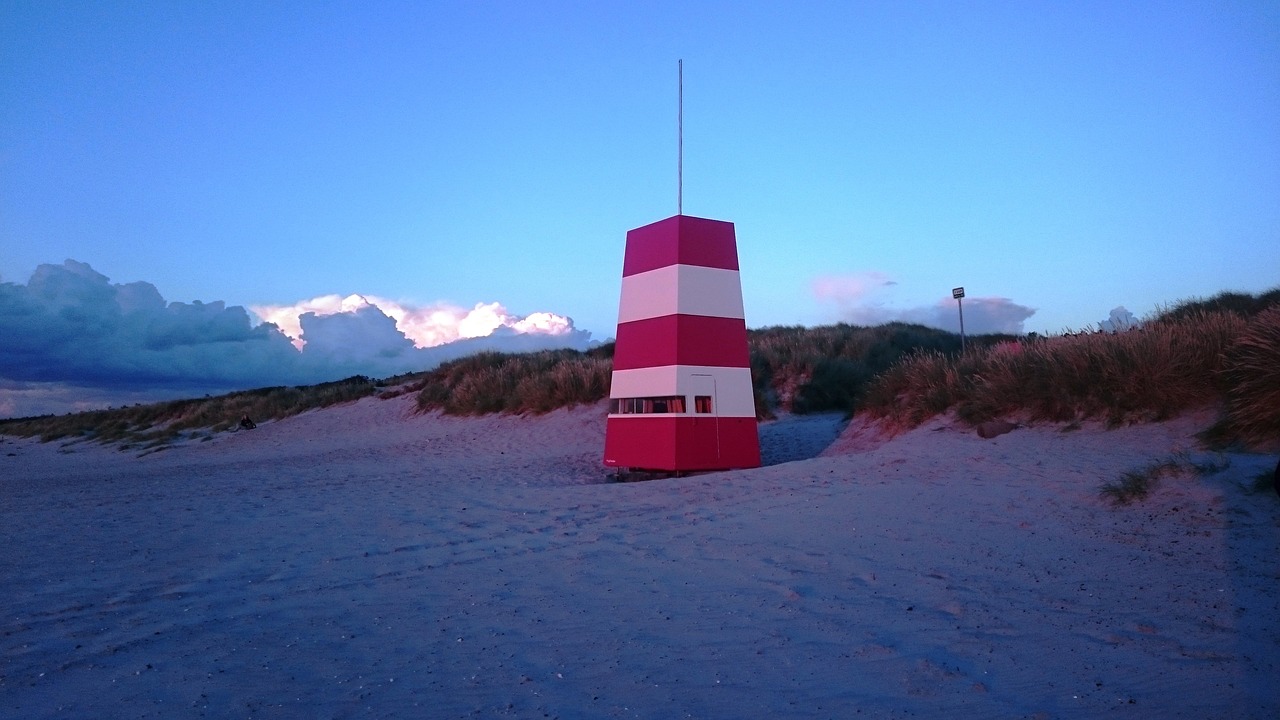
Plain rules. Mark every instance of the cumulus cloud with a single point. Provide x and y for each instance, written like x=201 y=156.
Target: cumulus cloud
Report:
x=70 y=324
x=71 y=333
x=426 y=326
x=863 y=299
x=981 y=315
x=288 y=318
x=1119 y=321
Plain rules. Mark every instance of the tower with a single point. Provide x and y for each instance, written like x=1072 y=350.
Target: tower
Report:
x=681 y=396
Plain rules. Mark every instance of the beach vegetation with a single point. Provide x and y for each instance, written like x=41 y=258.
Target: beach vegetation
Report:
x=516 y=383
x=1251 y=377
x=1137 y=484
x=1221 y=352
x=157 y=424
x=795 y=369
x=1243 y=304
x=829 y=368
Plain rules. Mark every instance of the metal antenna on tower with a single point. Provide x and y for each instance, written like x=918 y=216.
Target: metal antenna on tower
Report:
x=680 y=138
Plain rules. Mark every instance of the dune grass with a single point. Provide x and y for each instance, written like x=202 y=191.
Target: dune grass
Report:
x=828 y=368
x=793 y=368
x=1238 y=303
x=1251 y=374
x=160 y=423
x=517 y=382
x=1194 y=355
x=1150 y=373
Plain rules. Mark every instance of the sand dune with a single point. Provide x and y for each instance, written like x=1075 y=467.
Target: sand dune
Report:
x=362 y=561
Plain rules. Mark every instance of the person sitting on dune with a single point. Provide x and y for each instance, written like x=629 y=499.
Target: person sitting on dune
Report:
x=247 y=424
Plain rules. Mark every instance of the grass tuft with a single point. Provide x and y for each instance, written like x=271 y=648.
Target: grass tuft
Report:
x=1136 y=485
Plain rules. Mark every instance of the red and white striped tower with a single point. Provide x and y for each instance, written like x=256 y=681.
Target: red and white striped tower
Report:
x=681 y=395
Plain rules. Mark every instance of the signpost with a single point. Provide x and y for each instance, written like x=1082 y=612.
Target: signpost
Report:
x=958 y=294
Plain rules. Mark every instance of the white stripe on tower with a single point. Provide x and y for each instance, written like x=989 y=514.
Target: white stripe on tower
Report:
x=689 y=380
x=681 y=290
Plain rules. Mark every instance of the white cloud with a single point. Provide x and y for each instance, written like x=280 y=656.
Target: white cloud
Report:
x=1119 y=321
x=426 y=326
x=544 y=323
x=287 y=317
x=862 y=299
x=982 y=315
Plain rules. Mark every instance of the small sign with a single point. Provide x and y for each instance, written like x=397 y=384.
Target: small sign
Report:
x=957 y=293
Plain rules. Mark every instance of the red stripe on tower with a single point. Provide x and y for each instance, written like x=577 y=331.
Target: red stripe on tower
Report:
x=681 y=340
x=681 y=397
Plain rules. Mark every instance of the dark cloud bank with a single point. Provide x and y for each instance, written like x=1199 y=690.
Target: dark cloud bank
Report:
x=70 y=339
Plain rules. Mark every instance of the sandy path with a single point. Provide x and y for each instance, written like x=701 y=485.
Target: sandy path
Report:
x=363 y=562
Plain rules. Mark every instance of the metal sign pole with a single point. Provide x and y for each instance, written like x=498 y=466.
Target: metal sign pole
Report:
x=958 y=294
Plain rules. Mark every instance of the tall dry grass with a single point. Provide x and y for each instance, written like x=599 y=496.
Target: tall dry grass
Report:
x=1251 y=374
x=1197 y=354
x=830 y=368
x=160 y=423
x=1242 y=304
x=793 y=368
x=517 y=383
x=1148 y=373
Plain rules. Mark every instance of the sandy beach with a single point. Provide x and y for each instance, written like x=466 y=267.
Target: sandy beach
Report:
x=364 y=561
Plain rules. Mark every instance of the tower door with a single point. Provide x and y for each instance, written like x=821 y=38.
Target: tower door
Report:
x=706 y=406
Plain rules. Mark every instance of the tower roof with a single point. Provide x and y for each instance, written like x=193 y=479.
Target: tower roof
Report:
x=681 y=240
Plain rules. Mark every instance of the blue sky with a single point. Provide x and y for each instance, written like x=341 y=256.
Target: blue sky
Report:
x=1056 y=159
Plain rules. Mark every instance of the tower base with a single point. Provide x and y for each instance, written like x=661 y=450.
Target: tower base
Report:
x=681 y=443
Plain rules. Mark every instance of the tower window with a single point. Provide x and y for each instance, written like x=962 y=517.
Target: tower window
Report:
x=664 y=405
